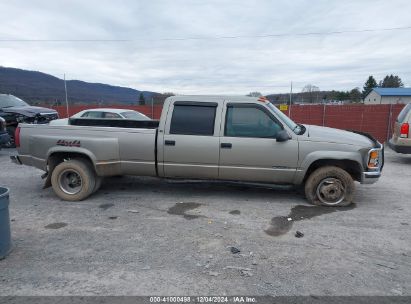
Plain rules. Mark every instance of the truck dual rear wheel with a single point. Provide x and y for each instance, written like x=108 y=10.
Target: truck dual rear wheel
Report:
x=73 y=180
x=330 y=186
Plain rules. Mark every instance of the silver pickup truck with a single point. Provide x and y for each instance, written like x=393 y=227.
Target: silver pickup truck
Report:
x=203 y=137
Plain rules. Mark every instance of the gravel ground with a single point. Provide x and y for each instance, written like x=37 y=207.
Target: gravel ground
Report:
x=145 y=236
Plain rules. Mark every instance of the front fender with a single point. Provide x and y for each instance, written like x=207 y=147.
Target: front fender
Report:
x=314 y=156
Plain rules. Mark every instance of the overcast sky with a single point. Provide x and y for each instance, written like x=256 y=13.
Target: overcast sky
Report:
x=150 y=57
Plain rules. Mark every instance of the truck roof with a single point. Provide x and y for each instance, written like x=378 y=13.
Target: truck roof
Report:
x=237 y=98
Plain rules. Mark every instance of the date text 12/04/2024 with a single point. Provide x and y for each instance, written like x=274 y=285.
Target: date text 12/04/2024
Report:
x=203 y=299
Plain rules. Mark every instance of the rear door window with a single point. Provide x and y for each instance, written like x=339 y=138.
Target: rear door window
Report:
x=403 y=114
x=193 y=119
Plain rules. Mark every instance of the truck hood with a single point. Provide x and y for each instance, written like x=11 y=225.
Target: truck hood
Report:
x=331 y=135
x=29 y=111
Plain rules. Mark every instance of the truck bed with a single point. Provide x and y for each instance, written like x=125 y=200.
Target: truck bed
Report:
x=114 y=150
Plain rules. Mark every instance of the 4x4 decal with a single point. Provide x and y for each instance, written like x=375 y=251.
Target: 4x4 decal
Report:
x=66 y=143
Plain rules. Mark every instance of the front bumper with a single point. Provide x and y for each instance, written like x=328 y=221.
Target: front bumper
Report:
x=398 y=148
x=370 y=177
x=4 y=138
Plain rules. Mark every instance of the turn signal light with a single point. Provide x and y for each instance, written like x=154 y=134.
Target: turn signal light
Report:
x=405 y=130
x=374 y=154
x=373 y=160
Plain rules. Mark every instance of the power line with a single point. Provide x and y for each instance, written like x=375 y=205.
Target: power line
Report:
x=216 y=37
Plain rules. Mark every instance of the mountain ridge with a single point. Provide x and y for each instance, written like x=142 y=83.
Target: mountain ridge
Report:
x=37 y=87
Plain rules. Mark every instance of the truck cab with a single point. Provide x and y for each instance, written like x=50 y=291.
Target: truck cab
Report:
x=227 y=138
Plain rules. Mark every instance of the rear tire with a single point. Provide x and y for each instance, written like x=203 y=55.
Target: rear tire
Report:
x=73 y=180
x=330 y=186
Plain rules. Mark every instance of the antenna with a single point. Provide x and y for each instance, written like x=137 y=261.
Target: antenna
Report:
x=65 y=89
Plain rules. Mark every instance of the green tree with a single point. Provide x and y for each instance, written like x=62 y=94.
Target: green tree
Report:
x=355 y=95
x=141 y=100
x=370 y=84
x=391 y=81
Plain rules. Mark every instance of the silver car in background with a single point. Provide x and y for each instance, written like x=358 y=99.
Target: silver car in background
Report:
x=103 y=113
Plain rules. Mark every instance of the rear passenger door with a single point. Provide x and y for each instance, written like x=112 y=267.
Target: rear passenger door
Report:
x=191 y=140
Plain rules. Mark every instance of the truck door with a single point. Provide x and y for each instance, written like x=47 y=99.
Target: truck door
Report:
x=248 y=147
x=191 y=140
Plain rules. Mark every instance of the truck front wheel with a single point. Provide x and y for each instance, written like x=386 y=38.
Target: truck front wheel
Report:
x=73 y=180
x=330 y=186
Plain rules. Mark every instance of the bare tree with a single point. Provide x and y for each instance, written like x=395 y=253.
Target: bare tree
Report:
x=254 y=94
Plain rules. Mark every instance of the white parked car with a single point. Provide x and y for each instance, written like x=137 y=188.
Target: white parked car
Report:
x=103 y=113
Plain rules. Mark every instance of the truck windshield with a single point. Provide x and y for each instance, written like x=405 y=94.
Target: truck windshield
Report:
x=8 y=101
x=297 y=129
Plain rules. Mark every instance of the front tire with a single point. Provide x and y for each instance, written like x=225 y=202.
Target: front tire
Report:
x=73 y=180
x=330 y=186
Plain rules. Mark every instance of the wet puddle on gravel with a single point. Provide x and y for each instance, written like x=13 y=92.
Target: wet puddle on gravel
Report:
x=105 y=206
x=235 y=212
x=182 y=208
x=280 y=225
x=55 y=226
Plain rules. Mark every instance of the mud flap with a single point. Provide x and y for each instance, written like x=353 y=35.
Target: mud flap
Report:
x=52 y=163
x=47 y=182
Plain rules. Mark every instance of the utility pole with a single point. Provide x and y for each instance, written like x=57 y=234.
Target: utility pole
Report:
x=152 y=107
x=65 y=89
x=291 y=93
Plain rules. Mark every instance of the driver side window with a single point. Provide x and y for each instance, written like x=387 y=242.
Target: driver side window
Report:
x=250 y=121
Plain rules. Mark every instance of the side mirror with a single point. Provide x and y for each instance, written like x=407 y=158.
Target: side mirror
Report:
x=282 y=136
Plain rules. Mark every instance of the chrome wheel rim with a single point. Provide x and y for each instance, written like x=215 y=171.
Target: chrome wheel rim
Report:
x=70 y=181
x=331 y=191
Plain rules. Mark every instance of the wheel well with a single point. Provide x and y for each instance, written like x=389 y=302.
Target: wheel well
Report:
x=58 y=157
x=351 y=166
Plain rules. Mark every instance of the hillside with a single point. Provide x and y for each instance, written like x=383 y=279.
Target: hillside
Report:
x=36 y=87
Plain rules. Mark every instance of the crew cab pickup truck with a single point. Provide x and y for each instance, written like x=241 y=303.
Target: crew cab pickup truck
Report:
x=204 y=137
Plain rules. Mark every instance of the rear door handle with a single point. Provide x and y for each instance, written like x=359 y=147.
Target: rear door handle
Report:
x=226 y=145
x=170 y=142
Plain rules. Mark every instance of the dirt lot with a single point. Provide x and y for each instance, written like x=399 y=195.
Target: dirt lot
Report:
x=144 y=236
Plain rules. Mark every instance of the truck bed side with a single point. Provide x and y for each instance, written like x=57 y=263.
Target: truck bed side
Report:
x=112 y=151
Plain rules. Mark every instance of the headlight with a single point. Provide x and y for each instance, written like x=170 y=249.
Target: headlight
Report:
x=374 y=159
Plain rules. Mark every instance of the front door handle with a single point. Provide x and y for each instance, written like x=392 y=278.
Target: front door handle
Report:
x=226 y=145
x=170 y=142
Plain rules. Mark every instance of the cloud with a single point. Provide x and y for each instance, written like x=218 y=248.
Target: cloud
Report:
x=148 y=61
